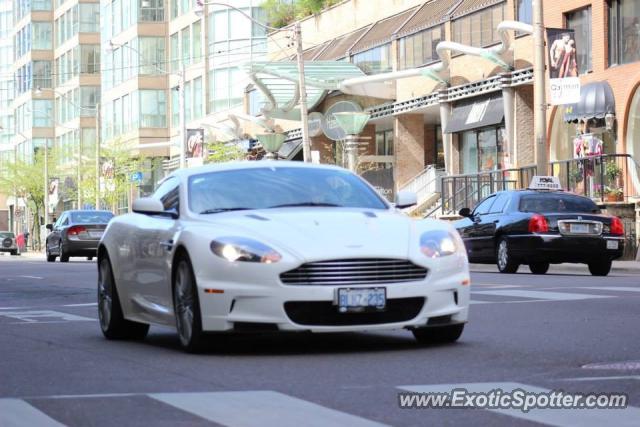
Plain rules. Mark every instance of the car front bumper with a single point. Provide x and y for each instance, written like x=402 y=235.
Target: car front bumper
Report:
x=441 y=298
x=556 y=248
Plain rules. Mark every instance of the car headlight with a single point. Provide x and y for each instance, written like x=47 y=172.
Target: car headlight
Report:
x=244 y=249
x=438 y=243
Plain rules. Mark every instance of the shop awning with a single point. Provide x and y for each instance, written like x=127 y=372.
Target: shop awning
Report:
x=476 y=114
x=596 y=100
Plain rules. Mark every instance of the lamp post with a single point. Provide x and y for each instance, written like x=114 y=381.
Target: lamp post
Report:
x=297 y=36
x=272 y=142
x=352 y=122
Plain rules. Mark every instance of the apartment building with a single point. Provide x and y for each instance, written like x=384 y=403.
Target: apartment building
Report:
x=6 y=113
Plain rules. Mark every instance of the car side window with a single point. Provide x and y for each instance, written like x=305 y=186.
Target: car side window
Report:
x=169 y=194
x=484 y=206
x=499 y=204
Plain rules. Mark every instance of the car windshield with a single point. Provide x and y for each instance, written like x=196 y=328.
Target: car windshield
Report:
x=557 y=203
x=91 y=217
x=273 y=187
x=5 y=234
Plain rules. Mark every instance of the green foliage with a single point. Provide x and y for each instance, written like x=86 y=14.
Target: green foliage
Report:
x=282 y=12
x=220 y=152
x=613 y=171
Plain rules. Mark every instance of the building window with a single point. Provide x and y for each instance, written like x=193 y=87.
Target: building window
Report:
x=43 y=113
x=624 y=31
x=42 y=35
x=384 y=143
x=89 y=17
x=175 y=51
x=481 y=150
x=186 y=46
x=153 y=109
x=90 y=59
x=524 y=11
x=580 y=22
x=152 y=11
x=374 y=61
x=152 y=55
x=42 y=74
x=197 y=98
x=420 y=48
x=175 y=107
x=89 y=98
x=479 y=29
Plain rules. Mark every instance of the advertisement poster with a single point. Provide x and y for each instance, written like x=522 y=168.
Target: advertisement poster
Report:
x=564 y=84
x=195 y=143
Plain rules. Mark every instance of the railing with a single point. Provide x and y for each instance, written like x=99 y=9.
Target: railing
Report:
x=465 y=191
x=604 y=178
x=425 y=183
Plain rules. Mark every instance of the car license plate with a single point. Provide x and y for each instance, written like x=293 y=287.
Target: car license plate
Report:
x=361 y=299
x=612 y=244
x=579 y=228
x=95 y=234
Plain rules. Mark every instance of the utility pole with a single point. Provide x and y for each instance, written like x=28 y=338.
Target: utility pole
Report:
x=183 y=119
x=97 y=165
x=46 y=182
x=304 y=114
x=79 y=172
x=539 y=96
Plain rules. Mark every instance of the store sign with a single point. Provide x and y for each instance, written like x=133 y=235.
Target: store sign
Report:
x=478 y=110
x=331 y=128
x=564 y=91
x=316 y=124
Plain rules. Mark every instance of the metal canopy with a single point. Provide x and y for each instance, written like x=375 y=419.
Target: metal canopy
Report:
x=596 y=100
x=278 y=81
x=486 y=111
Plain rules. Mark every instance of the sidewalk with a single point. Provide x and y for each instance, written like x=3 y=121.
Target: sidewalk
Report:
x=618 y=267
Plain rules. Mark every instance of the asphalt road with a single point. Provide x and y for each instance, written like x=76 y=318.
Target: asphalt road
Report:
x=538 y=332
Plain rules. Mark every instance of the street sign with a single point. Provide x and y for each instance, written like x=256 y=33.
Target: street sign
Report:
x=136 y=177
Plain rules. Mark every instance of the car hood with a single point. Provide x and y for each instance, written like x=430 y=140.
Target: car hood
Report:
x=322 y=233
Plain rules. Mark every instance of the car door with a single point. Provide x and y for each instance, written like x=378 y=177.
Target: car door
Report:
x=470 y=232
x=55 y=237
x=487 y=225
x=154 y=240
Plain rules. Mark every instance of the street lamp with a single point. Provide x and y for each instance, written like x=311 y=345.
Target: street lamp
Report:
x=181 y=82
x=353 y=123
x=304 y=113
x=272 y=142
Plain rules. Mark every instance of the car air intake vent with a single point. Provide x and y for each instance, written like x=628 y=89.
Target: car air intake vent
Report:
x=364 y=271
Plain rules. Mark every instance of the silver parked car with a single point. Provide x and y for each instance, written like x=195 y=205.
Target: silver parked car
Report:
x=8 y=243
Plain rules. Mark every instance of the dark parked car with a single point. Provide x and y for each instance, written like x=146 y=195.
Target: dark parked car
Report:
x=8 y=243
x=539 y=228
x=76 y=234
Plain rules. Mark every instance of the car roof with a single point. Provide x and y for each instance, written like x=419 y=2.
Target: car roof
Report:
x=526 y=191
x=239 y=165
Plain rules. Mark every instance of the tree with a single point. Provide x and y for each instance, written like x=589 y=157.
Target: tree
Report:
x=281 y=13
x=224 y=152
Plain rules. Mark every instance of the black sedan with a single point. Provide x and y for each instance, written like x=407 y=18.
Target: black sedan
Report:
x=76 y=234
x=539 y=228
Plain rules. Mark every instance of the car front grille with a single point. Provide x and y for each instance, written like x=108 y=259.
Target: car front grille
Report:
x=324 y=313
x=354 y=272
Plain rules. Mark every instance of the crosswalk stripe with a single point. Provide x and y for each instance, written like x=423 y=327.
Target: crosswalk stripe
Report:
x=260 y=409
x=18 y=413
x=554 y=417
x=541 y=295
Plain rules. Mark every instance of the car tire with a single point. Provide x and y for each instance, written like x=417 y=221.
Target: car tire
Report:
x=14 y=253
x=600 y=267
x=50 y=258
x=539 y=267
x=112 y=321
x=504 y=260
x=64 y=257
x=438 y=334
x=187 y=307
x=89 y=258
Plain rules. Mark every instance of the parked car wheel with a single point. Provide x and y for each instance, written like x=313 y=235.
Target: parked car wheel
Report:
x=112 y=322
x=539 y=267
x=505 y=261
x=438 y=334
x=600 y=268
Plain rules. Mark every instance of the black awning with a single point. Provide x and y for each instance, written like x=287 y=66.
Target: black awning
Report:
x=596 y=100
x=476 y=114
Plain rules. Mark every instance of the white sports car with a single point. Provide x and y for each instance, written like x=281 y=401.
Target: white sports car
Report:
x=278 y=246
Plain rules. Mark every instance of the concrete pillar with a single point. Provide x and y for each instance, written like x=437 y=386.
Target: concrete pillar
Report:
x=447 y=138
x=508 y=99
x=408 y=147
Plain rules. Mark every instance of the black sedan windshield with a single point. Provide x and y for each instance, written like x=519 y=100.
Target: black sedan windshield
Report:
x=548 y=202
x=274 y=187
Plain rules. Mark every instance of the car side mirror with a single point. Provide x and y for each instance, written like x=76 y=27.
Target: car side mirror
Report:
x=405 y=199
x=465 y=213
x=148 y=206
x=49 y=227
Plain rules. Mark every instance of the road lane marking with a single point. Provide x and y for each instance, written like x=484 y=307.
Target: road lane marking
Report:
x=615 y=288
x=18 y=413
x=554 y=417
x=541 y=295
x=39 y=316
x=32 y=277
x=89 y=304
x=260 y=409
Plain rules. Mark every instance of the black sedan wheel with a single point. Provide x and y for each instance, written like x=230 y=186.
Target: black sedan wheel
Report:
x=112 y=321
x=505 y=261
x=187 y=308
x=539 y=267
x=438 y=334
x=600 y=268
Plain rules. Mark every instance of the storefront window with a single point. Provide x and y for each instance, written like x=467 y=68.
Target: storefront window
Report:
x=633 y=136
x=580 y=22
x=624 y=31
x=481 y=150
x=384 y=143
